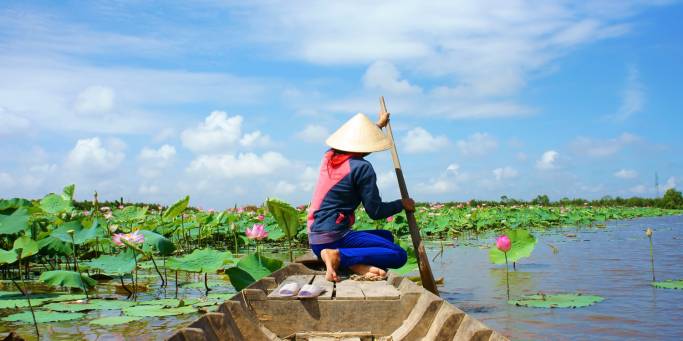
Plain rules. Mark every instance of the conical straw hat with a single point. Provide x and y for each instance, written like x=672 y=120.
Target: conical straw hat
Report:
x=359 y=135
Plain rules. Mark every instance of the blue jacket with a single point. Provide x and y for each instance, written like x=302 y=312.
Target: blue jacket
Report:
x=337 y=195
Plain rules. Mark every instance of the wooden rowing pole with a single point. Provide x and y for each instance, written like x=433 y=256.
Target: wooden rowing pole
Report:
x=422 y=261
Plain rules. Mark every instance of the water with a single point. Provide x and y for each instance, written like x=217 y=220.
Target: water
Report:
x=612 y=262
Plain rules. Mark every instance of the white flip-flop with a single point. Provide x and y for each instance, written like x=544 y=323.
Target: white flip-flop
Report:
x=289 y=289
x=310 y=291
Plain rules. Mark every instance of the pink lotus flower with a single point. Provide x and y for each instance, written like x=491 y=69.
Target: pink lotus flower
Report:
x=240 y=210
x=260 y=217
x=390 y=219
x=86 y=213
x=105 y=208
x=256 y=232
x=108 y=215
x=133 y=238
x=120 y=207
x=503 y=243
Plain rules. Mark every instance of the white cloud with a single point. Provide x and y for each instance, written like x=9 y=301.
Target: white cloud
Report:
x=602 y=148
x=521 y=156
x=383 y=76
x=148 y=189
x=626 y=174
x=419 y=140
x=242 y=165
x=313 y=133
x=386 y=181
x=633 y=96
x=95 y=99
x=12 y=123
x=506 y=172
x=91 y=156
x=453 y=168
x=284 y=188
x=308 y=179
x=154 y=161
x=670 y=183
x=639 y=189
x=548 y=160
x=477 y=144
x=6 y=180
x=220 y=133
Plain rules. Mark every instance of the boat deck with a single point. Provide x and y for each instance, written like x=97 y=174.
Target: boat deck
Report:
x=345 y=290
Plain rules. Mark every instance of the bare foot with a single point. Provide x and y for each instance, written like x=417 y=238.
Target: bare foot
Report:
x=331 y=259
x=377 y=271
x=365 y=270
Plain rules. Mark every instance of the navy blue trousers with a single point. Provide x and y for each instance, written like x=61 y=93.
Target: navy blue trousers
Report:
x=370 y=247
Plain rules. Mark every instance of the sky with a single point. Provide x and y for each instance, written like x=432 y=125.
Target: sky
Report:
x=230 y=101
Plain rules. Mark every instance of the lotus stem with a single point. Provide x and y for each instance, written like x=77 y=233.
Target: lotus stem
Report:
x=176 y=284
x=652 y=259
x=135 y=279
x=163 y=283
x=73 y=244
x=27 y=293
x=206 y=283
x=291 y=255
x=130 y=293
x=507 y=274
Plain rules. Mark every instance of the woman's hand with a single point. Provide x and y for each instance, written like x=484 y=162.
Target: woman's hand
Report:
x=383 y=119
x=408 y=204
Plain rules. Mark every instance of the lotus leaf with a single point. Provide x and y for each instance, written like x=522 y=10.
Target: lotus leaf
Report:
x=200 y=284
x=52 y=246
x=222 y=296
x=8 y=257
x=68 y=192
x=556 y=301
x=14 y=203
x=42 y=316
x=250 y=269
x=96 y=304
x=286 y=216
x=523 y=243
x=159 y=242
x=63 y=278
x=19 y=303
x=120 y=264
x=203 y=260
x=55 y=204
x=171 y=302
x=177 y=208
x=81 y=234
x=28 y=246
x=669 y=284
x=157 y=311
x=131 y=213
x=114 y=320
x=15 y=222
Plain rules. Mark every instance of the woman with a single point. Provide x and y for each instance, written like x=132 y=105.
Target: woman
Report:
x=346 y=180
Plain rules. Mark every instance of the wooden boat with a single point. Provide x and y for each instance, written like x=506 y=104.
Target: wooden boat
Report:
x=393 y=309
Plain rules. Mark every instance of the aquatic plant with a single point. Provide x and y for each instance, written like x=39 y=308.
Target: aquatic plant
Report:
x=648 y=233
x=287 y=218
x=504 y=244
x=564 y=300
x=250 y=269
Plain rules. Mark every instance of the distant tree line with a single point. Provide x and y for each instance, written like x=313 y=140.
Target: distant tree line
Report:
x=671 y=199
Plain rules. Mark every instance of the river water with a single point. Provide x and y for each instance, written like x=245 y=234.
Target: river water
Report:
x=612 y=262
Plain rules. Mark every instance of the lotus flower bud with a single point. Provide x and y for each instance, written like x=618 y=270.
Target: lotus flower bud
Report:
x=648 y=232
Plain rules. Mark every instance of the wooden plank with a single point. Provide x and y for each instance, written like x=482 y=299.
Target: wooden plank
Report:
x=299 y=279
x=320 y=281
x=349 y=290
x=379 y=290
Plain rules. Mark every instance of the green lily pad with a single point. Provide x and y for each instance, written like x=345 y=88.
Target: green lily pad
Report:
x=130 y=213
x=43 y=316
x=114 y=320
x=81 y=234
x=19 y=303
x=177 y=208
x=157 y=311
x=55 y=204
x=250 y=269
x=222 y=296
x=200 y=284
x=63 y=278
x=669 y=284
x=286 y=216
x=162 y=244
x=28 y=246
x=52 y=246
x=556 y=300
x=96 y=304
x=204 y=260
x=523 y=243
x=15 y=222
x=8 y=257
x=120 y=264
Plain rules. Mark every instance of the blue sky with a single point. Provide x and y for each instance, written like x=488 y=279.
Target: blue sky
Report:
x=231 y=102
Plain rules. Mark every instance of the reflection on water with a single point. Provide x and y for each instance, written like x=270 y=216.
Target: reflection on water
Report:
x=612 y=262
